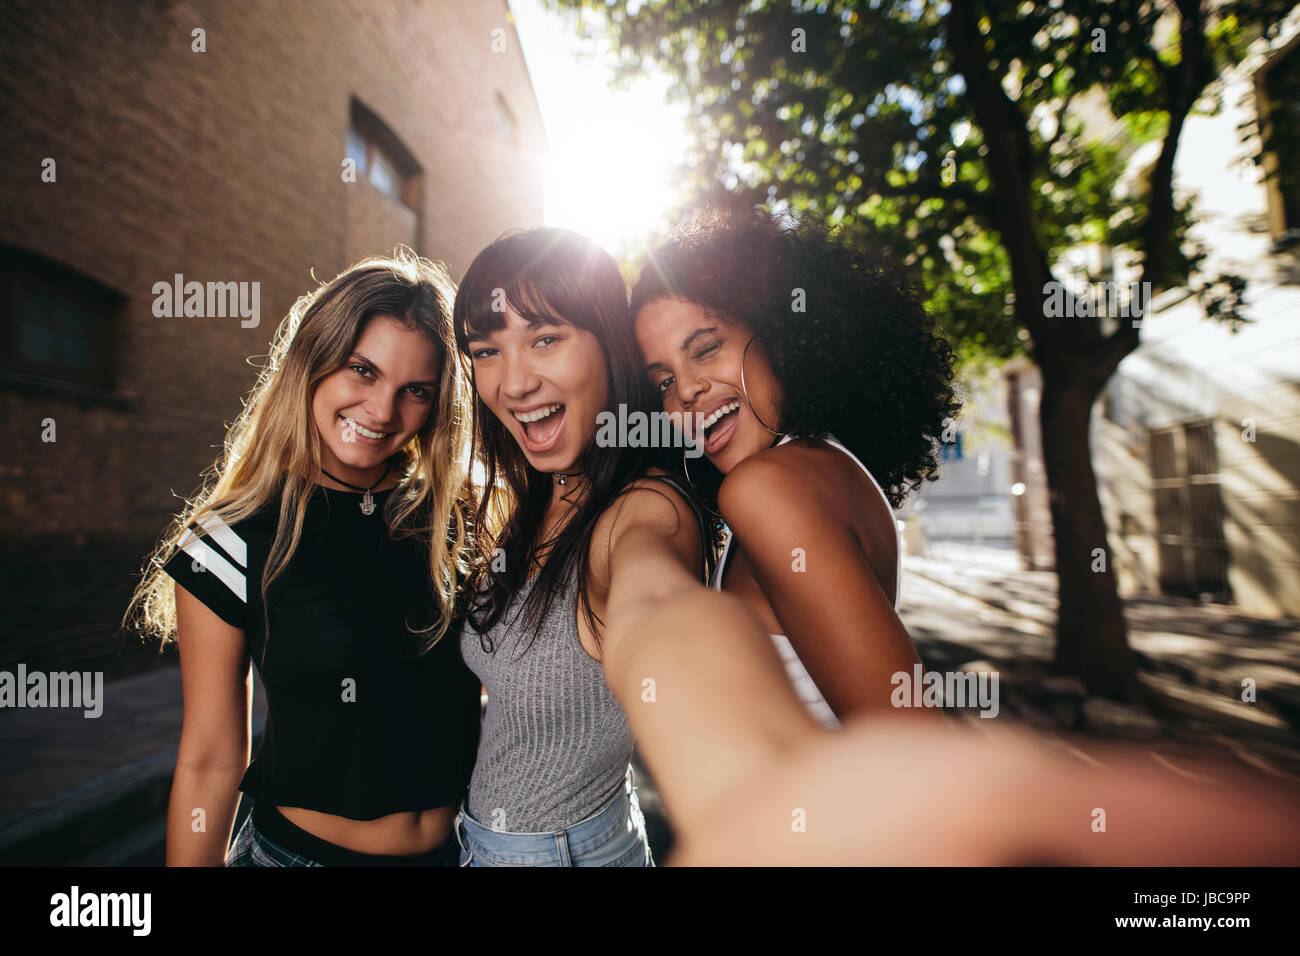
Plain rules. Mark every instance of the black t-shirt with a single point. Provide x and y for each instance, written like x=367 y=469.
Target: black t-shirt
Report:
x=359 y=724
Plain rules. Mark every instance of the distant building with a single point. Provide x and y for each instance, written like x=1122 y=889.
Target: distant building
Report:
x=1196 y=441
x=242 y=144
x=971 y=504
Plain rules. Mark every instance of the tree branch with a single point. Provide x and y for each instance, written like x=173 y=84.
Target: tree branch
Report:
x=1010 y=168
x=977 y=202
x=1189 y=80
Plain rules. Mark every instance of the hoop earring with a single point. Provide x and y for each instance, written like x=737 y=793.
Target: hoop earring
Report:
x=745 y=391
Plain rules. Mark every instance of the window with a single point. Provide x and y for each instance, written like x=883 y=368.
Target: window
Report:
x=504 y=120
x=357 y=150
x=1278 y=89
x=57 y=323
x=1189 y=511
x=381 y=158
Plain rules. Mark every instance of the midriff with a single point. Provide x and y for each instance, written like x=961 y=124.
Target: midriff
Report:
x=398 y=834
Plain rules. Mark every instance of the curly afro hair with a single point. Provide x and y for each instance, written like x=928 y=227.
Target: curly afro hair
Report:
x=852 y=345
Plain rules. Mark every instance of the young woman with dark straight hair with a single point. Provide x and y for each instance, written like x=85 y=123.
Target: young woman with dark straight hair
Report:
x=542 y=316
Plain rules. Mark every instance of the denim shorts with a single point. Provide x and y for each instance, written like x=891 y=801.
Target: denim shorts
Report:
x=612 y=836
x=267 y=838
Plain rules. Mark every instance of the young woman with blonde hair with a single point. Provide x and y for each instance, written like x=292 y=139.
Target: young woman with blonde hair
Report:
x=325 y=548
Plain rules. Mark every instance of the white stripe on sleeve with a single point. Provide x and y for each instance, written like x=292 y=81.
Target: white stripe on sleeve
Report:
x=225 y=536
x=213 y=561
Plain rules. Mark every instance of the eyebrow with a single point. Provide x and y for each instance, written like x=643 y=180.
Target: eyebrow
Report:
x=375 y=366
x=476 y=335
x=686 y=343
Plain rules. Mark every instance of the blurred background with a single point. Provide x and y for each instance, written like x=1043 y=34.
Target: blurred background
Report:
x=1115 y=525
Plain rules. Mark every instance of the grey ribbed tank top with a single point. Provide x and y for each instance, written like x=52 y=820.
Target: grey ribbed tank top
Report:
x=556 y=744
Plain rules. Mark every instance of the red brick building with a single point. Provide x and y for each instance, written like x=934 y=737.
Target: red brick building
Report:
x=212 y=139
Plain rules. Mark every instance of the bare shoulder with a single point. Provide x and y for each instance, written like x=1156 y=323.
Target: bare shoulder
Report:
x=649 y=500
x=647 y=506
x=791 y=475
x=804 y=480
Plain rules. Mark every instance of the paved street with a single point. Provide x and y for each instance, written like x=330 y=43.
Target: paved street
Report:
x=1192 y=657
x=93 y=791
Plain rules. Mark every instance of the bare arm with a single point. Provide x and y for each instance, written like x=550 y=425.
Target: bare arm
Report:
x=702 y=686
x=214 y=747
x=890 y=791
x=820 y=585
x=750 y=779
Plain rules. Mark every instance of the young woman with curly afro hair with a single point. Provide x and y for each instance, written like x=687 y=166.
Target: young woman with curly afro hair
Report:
x=808 y=368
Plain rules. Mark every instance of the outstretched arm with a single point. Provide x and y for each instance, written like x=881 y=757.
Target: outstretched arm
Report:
x=750 y=779
x=703 y=688
x=897 y=792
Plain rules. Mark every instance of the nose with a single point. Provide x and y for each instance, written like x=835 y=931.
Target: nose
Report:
x=518 y=378
x=380 y=408
x=691 y=389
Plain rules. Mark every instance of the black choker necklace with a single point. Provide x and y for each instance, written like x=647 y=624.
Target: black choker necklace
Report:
x=560 y=477
x=367 y=500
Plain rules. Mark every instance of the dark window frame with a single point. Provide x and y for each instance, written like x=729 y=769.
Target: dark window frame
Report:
x=1281 y=184
x=1187 y=503
x=380 y=140
x=21 y=271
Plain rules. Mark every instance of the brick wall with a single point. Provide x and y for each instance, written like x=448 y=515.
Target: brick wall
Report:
x=222 y=166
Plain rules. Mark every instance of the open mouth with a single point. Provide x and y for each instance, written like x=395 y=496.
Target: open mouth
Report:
x=541 y=426
x=718 y=427
x=352 y=431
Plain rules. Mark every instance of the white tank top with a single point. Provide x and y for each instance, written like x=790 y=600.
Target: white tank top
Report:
x=803 y=683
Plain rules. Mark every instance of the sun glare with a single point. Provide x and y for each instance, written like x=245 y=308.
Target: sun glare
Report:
x=612 y=168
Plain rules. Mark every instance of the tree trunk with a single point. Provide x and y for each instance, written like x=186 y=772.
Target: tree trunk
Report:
x=1091 y=635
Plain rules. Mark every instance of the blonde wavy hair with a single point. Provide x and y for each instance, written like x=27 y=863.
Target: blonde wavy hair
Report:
x=273 y=449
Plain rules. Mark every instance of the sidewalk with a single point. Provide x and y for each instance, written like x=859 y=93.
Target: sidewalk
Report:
x=70 y=782
x=79 y=790
x=1192 y=660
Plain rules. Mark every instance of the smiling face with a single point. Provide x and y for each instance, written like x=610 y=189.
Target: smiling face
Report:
x=694 y=362
x=370 y=408
x=545 y=382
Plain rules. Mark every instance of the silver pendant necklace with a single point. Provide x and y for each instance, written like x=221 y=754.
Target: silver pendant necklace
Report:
x=367 y=499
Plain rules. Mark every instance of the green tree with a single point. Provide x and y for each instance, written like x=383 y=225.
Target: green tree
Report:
x=951 y=131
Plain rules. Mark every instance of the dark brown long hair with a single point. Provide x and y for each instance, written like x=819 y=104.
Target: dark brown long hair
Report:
x=551 y=275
